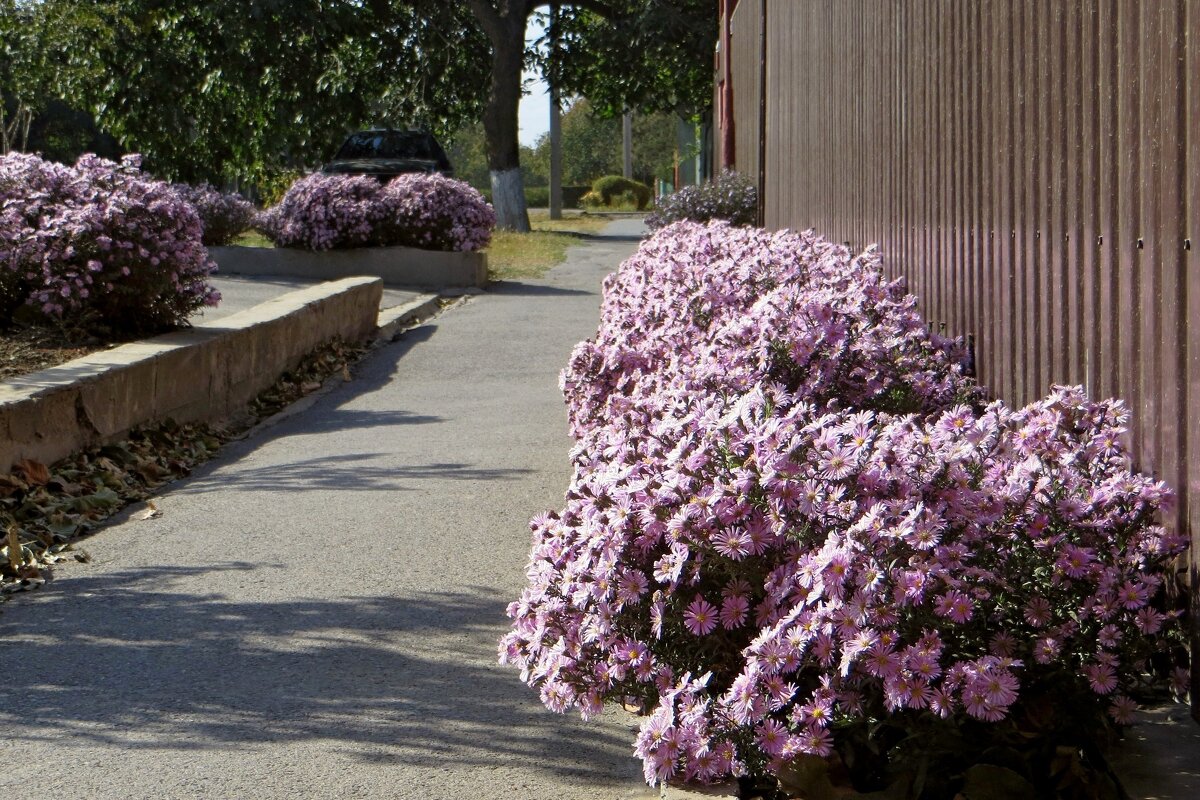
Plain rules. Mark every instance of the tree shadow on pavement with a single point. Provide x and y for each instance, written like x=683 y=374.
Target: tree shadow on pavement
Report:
x=617 y=237
x=351 y=471
x=532 y=289
x=148 y=659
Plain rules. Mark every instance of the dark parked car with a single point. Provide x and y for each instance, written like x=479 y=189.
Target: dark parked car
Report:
x=384 y=154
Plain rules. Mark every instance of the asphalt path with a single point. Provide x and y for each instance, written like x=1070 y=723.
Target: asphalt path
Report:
x=315 y=614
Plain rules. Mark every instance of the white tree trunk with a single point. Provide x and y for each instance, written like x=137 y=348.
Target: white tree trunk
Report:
x=508 y=198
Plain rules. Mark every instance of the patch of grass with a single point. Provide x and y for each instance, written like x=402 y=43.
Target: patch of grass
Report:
x=526 y=255
x=251 y=239
x=572 y=222
x=512 y=256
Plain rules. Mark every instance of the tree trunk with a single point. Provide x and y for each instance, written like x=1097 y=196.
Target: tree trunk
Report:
x=500 y=122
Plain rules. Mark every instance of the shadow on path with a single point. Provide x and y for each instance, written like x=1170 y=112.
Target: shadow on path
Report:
x=533 y=289
x=615 y=237
x=351 y=471
x=134 y=659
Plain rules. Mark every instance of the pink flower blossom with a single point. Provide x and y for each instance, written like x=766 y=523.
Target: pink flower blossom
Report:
x=700 y=617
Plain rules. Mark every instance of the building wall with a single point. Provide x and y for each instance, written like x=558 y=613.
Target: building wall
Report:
x=1032 y=167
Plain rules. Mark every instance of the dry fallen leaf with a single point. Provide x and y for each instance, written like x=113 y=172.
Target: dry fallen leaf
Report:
x=34 y=472
x=15 y=555
x=151 y=511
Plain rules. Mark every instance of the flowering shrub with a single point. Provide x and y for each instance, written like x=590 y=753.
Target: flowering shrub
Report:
x=223 y=215
x=434 y=212
x=99 y=242
x=714 y=309
x=324 y=212
x=729 y=197
x=793 y=526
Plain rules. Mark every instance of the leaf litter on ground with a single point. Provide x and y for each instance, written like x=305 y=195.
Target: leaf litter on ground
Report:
x=44 y=510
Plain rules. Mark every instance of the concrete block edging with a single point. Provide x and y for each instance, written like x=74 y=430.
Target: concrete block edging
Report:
x=397 y=266
x=204 y=373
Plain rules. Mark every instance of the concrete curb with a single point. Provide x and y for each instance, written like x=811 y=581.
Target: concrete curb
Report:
x=205 y=373
x=393 y=320
x=398 y=266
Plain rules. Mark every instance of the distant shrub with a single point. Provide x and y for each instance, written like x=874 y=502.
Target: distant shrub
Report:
x=730 y=197
x=615 y=190
x=99 y=243
x=223 y=215
x=271 y=189
x=324 y=212
x=433 y=212
x=429 y=211
x=538 y=197
x=590 y=200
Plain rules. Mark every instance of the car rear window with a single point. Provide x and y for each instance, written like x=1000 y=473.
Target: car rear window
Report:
x=392 y=144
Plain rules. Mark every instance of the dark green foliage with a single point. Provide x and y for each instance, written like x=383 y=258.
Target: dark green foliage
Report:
x=611 y=188
x=650 y=55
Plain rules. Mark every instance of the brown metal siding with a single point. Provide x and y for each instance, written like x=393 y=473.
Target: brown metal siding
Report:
x=746 y=43
x=1030 y=166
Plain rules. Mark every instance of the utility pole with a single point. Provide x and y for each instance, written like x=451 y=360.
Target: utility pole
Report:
x=556 y=194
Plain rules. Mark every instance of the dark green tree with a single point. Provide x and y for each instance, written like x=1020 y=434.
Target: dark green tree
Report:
x=650 y=55
x=37 y=63
x=225 y=88
x=591 y=146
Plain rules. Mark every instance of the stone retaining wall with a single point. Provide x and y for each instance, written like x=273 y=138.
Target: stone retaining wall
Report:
x=205 y=373
x=397 y=266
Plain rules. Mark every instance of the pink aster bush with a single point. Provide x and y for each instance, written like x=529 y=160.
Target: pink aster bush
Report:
x=99 y=242
x=324 y=212
x=794 y=529
x=223 y=215
x=431 y=212
x=729 y=196
x=715 y=308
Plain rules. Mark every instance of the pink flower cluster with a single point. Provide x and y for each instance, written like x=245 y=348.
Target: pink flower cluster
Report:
x=99 y=241
x=223 y=215
x=791 y=514
x=433 y=212
x=324 y=212
x=713 y=309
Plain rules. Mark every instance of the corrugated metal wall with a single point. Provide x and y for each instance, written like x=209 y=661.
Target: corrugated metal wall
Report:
x=747 y=81
x=1031 y=166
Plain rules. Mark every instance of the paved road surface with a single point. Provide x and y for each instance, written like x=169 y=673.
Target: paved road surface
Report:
x=316 y=614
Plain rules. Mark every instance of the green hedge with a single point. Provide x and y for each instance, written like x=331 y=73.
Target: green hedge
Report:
x=613 y=189
x=539 y=196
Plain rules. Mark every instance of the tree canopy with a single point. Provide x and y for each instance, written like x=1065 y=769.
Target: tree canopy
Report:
x=223 y=88
x=226 y=88
x=643 y=55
